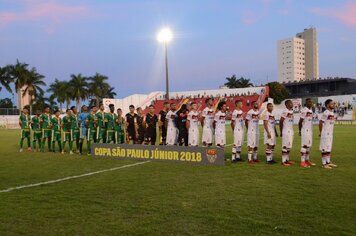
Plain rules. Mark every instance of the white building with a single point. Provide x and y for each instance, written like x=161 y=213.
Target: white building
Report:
x=298 y=57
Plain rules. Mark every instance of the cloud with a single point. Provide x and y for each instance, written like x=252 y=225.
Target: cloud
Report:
x=346 y=13
x=51 y=13
x=249 y=17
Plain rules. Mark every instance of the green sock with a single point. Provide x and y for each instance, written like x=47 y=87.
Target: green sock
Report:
x=34 y=145
x=21 y=143
x=43 y=144
x=64 y=145
x=89 y=146
x=49 y=145
x=53 y=145
x=70 y=146
x=60 y=146
x=28 y=142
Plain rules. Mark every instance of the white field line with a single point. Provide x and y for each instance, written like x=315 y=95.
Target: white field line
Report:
x=69 y=177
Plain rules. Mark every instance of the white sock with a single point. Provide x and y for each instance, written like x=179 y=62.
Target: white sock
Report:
x=238 y=152
x=233 y=155
x=255 y=155
x=249 y=156
x=328 y=159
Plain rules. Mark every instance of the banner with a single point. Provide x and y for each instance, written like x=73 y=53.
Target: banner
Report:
x=181 y=154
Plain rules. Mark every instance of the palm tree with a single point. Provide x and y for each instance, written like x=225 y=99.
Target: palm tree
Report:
x=98 y=86
x=233 y=82
x=110 y=93
x=245 y=83
x=5 y=79
x=29 y=80
x=59 y=91
x=78 y=88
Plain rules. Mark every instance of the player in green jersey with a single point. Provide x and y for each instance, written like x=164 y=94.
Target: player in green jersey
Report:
x=101 y=129
x=46 y=126
x=56 y=131
x=66 y=127
x=24 y=122
x=75 y=125
x=120 y=127
x=110 y=125
x=91 y=123
x=37 y=131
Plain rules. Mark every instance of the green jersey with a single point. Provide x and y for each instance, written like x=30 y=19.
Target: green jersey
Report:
x=56 y=122
x=111 y=118
x=25 y=121
x=74 y=121
x=120 y=124
x=36 y=123
x=102 y=119
x=66 y=121
x=91 y=119
x=46 y=121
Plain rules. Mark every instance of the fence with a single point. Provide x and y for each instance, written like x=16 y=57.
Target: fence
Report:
x=9 y=111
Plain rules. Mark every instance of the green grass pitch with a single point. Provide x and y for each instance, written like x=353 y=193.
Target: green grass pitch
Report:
x=158 y=198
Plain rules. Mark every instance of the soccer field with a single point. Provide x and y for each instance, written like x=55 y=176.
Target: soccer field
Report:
x=155 y=198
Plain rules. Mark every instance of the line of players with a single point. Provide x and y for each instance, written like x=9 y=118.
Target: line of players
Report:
x=181 y=127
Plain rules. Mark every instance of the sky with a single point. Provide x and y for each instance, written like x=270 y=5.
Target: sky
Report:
x=213 y=39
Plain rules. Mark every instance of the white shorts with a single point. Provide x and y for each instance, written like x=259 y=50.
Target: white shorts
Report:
x=207 y=135
x=220 y=137
x=238 y=137
x=307 y=138
x=287 y=139
x=253 y=137
x=172 y=136
x=193 y=137
x=326 y=143
x=270 y=141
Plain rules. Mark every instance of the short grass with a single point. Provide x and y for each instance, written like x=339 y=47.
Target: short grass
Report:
x=178 y=199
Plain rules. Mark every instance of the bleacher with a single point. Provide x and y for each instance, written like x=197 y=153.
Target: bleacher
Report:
x=230 y=102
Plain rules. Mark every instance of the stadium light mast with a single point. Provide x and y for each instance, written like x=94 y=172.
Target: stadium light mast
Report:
x=165 y=36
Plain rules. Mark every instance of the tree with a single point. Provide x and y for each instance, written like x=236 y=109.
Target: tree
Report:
x=98 y=86
x=41 y=102
x=110 y=93
x=278 y=92
x=6 y=103
x=59 y=91
x=29 y=80
x=78 y=88
x=233 y=82
x=5 y=79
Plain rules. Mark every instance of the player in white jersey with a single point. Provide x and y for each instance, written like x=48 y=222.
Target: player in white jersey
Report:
x=219 y=125
x=270 y=133
x=172 y=131
x=287 y=132
x=253 y=133
x=207 y=123
x=326 y=128
x=306 y=132
x=237 y=125
x=193 y=125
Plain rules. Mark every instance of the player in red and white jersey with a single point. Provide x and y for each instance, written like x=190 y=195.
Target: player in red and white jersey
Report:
x=219 y=125
x=172 y=131
x=193 y=125
x=326 y=128
x=270 y=133
x=253 y=133
x=306 y=132
x=207 y=123
x=287 y=132
x=238 y=127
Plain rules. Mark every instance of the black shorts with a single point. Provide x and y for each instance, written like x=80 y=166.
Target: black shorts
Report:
x=131 y=135
x=150 y=137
